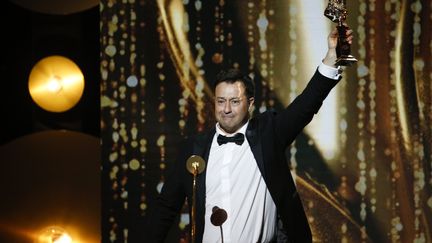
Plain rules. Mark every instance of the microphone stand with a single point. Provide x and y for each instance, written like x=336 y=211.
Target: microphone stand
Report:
x=195 y=165
x=195 y=173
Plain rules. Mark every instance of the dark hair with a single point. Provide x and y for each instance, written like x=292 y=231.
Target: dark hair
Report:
x=234 y=75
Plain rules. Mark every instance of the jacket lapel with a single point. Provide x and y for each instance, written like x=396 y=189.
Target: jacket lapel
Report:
x=252 y=135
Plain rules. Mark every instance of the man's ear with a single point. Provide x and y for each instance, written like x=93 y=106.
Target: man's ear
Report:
x=251 y=103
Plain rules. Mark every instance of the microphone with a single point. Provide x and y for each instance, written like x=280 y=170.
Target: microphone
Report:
x=218 y=217
x=195 y=165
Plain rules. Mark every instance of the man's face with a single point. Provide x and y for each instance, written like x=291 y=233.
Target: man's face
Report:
x=231 y=106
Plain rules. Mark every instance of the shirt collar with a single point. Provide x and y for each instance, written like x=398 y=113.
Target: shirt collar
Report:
x=241 y=130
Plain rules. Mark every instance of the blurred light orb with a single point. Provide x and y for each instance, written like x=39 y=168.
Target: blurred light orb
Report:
x=56 y=84
x=54 y=234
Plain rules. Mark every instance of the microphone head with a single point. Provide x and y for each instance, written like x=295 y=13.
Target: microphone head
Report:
x=219 y=216
x=195 y=164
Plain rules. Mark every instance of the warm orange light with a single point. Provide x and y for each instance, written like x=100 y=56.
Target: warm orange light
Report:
x=64 y=238
x=56 y=84
x=54 y=234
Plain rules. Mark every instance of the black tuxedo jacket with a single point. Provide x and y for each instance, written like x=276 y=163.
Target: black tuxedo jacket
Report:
x=268 y=134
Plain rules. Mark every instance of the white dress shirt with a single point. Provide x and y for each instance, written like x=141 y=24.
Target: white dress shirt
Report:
x=234 y=183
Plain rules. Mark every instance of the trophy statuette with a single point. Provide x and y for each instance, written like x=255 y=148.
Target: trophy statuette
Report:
x=336 y=12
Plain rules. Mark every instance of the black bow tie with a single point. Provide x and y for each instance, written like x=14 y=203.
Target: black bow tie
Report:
x=238 y=139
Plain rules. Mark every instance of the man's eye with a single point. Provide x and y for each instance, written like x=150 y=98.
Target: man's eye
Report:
x=235 y=102
x=221 y=102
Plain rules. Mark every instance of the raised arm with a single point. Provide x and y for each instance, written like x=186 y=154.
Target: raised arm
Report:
x=291 y=121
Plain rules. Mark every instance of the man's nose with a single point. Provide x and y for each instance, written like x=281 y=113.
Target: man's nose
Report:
x=227 y=108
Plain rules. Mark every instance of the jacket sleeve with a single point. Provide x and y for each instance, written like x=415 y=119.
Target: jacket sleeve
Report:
x=290 y=122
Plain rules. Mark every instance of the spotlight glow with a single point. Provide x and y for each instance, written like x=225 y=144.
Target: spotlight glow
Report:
x=54 y=234
x=56 y=84
x=323 y=129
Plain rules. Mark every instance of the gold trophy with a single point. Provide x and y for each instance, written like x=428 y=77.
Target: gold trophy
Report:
x=336 y=12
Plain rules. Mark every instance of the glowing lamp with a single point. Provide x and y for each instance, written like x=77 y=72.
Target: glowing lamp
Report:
x=54 y=234
x=56 y=84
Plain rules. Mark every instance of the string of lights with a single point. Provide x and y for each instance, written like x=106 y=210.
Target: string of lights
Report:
x=293 y=71
x=396 y=224
x=362 y=72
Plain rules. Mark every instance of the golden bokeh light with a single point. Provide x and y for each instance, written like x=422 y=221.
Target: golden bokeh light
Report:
x=56 y=84
x=54 y=234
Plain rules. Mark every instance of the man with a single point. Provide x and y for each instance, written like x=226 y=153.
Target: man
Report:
x=246 y=170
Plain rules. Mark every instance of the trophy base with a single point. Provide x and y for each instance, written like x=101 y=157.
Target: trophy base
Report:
x=345 y=60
